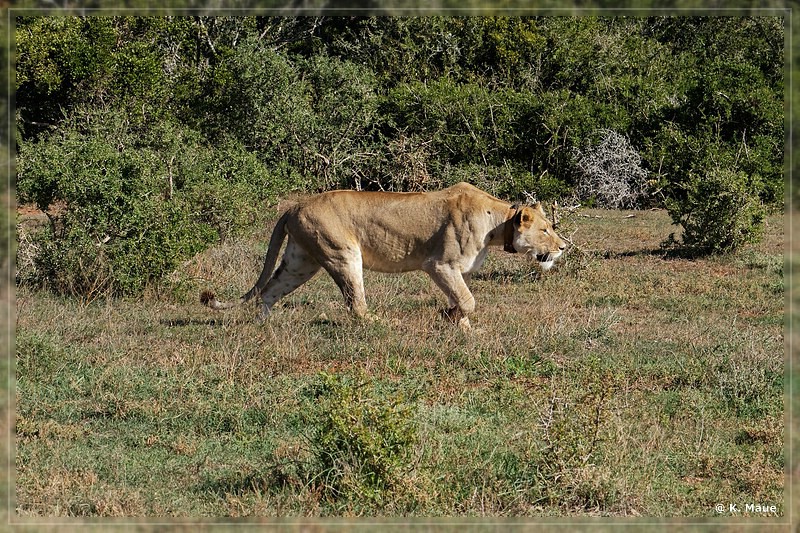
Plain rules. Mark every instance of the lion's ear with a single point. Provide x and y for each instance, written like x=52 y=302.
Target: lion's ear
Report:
x=538 y=207
x=524 y=215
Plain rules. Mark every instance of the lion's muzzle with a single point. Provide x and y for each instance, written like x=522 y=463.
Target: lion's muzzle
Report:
x=547 y=260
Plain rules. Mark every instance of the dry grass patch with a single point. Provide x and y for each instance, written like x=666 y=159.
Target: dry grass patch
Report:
x=621 y=383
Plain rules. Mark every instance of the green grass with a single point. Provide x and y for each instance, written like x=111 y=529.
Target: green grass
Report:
x=621 y=383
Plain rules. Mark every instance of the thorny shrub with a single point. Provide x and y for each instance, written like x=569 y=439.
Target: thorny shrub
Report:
x=610 y=172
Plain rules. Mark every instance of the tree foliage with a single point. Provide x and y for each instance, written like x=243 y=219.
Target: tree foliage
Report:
x=190 y=120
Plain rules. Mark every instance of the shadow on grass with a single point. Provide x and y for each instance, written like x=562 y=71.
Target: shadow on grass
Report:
x=236 y=484
x=508 y=275
x=520 y=274
x=186 y=322
x=240 y=483
x=666 y=254
x=321 y=321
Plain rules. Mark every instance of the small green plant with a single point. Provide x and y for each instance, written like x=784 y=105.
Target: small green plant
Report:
x=572 y=434
x=362 y=443
x=749 y=386
x=719 y=212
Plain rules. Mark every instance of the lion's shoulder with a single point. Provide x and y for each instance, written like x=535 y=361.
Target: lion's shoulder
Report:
x=464 y=196
x=463 y=187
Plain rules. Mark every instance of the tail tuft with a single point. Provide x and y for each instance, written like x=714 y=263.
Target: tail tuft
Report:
x=207 y=297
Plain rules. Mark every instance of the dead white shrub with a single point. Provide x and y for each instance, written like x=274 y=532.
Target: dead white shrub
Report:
x=610 y=171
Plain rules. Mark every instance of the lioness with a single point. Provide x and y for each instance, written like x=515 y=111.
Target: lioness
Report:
x=445 y=233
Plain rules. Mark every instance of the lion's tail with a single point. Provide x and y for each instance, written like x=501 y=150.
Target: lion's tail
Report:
x=208 y=298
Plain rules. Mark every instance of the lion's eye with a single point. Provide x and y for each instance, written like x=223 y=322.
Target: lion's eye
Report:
x=546 y=232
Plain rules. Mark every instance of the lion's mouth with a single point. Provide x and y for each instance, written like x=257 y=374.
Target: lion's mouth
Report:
x=546 y=261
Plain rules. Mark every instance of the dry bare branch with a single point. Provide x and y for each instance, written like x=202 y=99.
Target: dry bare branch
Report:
x=611 y=172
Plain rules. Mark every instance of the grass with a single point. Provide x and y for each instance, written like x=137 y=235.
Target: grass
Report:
x=622 y=383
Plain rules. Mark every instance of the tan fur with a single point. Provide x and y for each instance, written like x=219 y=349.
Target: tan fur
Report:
x=445 y=233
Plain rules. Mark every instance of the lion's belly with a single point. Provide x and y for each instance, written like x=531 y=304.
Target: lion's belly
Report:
x=397 y=255
x=391 y=257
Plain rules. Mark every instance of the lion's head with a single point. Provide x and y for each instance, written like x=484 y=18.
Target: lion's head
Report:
x=531 y=233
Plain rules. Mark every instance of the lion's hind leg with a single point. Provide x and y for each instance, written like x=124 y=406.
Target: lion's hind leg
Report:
x=296 y=267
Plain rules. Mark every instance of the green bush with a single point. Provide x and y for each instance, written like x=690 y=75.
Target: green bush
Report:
x=506 y=181
x=131 y=202
x=337 y=144
x=567 y=466
x=362 y=442
x=456 y=117
x=720 y=211
x=314 y=115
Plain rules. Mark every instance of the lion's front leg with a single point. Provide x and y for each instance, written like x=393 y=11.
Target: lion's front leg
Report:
x=348 y=274
x=454 y=315
x=459 y=297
